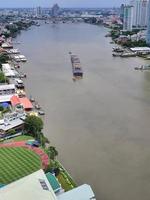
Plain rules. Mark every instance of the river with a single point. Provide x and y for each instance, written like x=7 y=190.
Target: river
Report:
x=101 y=124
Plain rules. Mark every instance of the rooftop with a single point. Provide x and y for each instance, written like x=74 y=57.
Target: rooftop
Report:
x=15 y=100
x=7 y=87
x=7 y=70
x=140 y=49
x=53 y=181
x=5 y=98
x=11 y=124
x=34 y=186
x=83 y=192
x=26 y=103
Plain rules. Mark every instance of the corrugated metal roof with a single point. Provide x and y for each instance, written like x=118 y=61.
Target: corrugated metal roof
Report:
x=53 y=181
x=7 y=87
x=15 y=100
x=26 y=103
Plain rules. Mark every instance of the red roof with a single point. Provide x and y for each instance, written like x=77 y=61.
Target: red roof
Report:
x=26 y=103
x=15 y=100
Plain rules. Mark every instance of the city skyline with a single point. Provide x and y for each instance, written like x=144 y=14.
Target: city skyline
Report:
x=62 y=3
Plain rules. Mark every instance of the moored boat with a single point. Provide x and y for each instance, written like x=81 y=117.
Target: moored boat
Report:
x=37 y=106
x=41 y=112
x=32 y=99
x=118 y=50
x=143 y=67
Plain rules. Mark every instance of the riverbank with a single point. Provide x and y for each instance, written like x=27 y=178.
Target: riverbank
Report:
x=132 y=42
x=95 y=123
x=11 y=136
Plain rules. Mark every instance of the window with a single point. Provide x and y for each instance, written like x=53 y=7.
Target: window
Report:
x=43 y=184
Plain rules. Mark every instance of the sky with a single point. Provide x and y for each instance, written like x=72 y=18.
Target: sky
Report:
x=62 y=3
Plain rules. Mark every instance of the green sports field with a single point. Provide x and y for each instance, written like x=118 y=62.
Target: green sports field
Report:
x=17 y=162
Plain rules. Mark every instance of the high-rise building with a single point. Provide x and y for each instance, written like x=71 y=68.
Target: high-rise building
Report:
x=140 y=8
x=128 y=18
x=38 y=11
x=148 y=25
x=122 y=11
x=55 y=10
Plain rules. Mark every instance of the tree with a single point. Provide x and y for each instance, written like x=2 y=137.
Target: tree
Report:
x=3 y=79
x=43 y=140
x=33 y=126
x=4 y=58
x=52 y=152
x=11 y=132
x=1 y=108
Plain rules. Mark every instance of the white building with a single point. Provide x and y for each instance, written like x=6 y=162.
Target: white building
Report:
x=148 y=26
x=128 y=18
x=8 y=70
x=7 y=89
x=13 y=120
x=37 y=187
x=32 y=187
x=38 y=11
x=140 y=10
x=6 y=92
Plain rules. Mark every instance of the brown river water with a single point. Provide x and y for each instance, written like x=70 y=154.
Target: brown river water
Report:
x=101 y=124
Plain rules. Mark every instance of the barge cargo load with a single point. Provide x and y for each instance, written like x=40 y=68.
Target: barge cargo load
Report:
x=76 y=67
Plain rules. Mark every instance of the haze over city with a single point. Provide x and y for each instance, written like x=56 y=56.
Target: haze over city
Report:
x=62 y=3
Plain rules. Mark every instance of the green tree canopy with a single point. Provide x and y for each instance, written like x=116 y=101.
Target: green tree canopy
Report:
x=43 y=140
x=1 y=108
x=33 y=126
x=52 y=152
x=4 y=58
x=3 y=79
x=11 y=132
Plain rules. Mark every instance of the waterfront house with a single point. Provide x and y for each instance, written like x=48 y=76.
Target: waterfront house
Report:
x=7 y=45
x=9 y=71
x=21 y=101
x=6 y=92
x=14 y=120
x=7 y=89
x=26 y=103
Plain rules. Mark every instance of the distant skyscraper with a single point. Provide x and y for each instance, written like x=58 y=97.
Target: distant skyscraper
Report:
x=122 y=12
x=128 y=18
x=148 y=25
x=38 y=11
x=55 y=10
x=140 y=8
